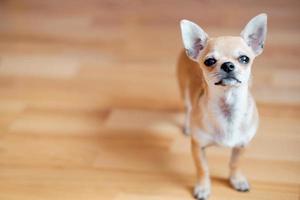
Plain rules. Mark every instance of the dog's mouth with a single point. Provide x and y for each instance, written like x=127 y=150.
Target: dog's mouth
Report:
x=228 y=81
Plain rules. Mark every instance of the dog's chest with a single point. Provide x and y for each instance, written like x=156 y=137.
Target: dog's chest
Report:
x=227 y=115
x=225 y=109
x=223 y=119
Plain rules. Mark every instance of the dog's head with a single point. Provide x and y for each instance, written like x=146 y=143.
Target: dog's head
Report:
x=225 y=61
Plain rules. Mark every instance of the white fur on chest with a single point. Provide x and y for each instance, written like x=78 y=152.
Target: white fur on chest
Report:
x=226 y=119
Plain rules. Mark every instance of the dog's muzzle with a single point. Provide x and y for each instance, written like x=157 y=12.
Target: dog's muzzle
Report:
x=228 y=81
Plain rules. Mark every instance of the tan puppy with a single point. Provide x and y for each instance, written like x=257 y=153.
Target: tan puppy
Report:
x=214 y=77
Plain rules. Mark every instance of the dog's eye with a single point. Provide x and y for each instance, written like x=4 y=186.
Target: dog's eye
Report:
x=244 y=59
x=210 y=61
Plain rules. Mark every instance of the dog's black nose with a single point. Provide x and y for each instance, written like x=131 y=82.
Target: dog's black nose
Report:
x=227 y=67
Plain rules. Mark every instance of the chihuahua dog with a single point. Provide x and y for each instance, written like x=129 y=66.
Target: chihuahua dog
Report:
x=214 y=75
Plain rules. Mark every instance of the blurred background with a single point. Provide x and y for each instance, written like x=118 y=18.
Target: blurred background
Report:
x=90 y=108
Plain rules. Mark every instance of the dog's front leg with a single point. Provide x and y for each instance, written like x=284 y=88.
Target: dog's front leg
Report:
x=237 y=179
x=202 y=187
x=188 y=112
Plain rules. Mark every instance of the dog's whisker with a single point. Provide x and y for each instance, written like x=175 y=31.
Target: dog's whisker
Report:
x=216 y=75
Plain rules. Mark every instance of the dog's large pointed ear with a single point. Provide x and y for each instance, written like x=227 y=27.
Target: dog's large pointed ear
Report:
x=255 y=33
x=194 y=39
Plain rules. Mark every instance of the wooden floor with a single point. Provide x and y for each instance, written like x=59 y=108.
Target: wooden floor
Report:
x=90 y=109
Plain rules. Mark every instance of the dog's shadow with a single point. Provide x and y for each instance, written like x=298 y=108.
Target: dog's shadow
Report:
x=147 y=155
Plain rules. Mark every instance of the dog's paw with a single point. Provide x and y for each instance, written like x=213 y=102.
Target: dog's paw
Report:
x=201 y=192
x=240 y=184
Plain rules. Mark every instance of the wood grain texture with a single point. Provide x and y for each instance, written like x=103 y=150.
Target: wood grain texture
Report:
x=90 y=106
